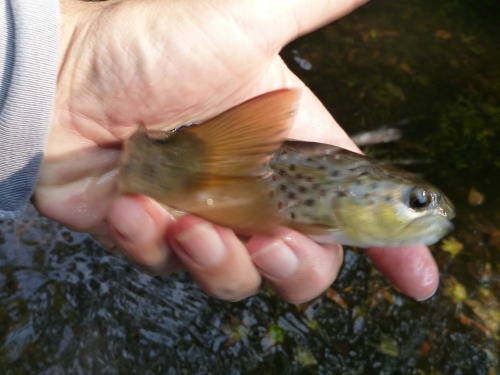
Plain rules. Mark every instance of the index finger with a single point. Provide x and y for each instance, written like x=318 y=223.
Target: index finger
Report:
x=412 y=269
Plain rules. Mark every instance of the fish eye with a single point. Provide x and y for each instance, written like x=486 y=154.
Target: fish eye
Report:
x=419 y=198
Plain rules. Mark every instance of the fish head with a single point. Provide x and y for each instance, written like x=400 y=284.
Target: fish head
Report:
x=393 y=212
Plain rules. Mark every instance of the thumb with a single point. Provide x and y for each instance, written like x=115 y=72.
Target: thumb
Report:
x=279 y=22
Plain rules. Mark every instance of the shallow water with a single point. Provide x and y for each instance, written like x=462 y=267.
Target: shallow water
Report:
x=67 y=306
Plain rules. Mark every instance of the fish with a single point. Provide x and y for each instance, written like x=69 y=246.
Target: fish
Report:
x=240 y=170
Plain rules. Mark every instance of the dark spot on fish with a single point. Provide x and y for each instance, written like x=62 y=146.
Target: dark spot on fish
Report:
x=292 y=167
x=310 y=179
x=281 y=172
x=321 y=167
x=341 y=193
x=299 y=176
x=335 y=173
x=373 y=185
x=309 y=202
x=366 y=195
x=292 y=215
x=283 y=187
x=363 y=173
x=280 y=205
x=302 y=189
x=271 y=194
x=388 y=198
x=358 y=182
x=149 y=169
x=291 y=195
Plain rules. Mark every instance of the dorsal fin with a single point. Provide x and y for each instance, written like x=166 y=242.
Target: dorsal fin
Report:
x=233 y=189
x=239 y=141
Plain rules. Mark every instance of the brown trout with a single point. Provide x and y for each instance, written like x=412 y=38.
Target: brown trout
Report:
x=239 y=170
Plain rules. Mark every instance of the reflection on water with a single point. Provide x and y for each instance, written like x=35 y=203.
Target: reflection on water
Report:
x=66 y=306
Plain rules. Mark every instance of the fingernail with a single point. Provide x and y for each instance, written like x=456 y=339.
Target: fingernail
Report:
x=154 y=255
x=202 y=245
x=422 y=299
x=277 y=261
x=136 y=226
x=425 y=297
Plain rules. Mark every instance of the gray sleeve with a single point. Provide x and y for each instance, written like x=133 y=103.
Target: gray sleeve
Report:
x=29 y=56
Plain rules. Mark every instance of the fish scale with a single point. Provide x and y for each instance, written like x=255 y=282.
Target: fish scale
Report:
x=301 y=183
x=308 y=185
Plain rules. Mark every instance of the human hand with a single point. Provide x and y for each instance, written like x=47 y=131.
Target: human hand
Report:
x=169 y=63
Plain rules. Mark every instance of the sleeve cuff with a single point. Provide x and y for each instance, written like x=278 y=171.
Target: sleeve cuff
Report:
x=30 y=39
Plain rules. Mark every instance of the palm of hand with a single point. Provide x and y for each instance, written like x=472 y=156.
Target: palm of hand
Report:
x=123 y=66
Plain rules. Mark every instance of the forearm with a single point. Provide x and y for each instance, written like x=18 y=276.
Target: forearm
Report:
x=29 y=55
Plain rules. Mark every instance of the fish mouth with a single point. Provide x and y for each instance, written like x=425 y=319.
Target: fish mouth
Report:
x=447 y=209
x=436 y=228
x=448 y=213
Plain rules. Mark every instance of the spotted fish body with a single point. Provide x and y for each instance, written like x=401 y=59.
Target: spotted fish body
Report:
x=335 y=195
x=238 y=170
